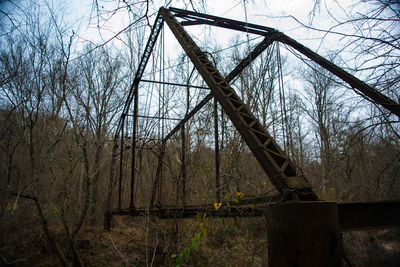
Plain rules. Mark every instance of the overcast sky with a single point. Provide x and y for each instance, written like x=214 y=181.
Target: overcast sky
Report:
x=274 y=14
x=283 y=15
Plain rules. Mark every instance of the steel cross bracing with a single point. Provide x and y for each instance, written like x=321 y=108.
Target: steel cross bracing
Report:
x=119 y=133
x=282 y=173
x=158 y=24
x=273 y=160
x=232 y=75
x=370 y=93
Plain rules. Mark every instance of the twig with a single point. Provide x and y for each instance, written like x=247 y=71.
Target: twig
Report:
x=119 y=252
x=154 y=252
x=11 y=262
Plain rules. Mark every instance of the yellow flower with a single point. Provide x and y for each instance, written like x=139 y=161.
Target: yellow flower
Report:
x=239 y=194
x=217 y=205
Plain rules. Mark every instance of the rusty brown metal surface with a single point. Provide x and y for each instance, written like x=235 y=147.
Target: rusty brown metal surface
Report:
x=282 y=173
x=276 y=164
x=352 y=215
x=370 y=93
x=230 y=77
x=369 y=215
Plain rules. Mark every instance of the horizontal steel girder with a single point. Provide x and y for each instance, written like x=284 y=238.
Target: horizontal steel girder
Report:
x=353 y=216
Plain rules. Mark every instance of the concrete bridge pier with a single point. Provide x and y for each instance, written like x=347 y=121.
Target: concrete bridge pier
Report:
x=303 y=234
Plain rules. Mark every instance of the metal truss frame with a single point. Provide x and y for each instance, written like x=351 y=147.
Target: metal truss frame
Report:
x=284 y=175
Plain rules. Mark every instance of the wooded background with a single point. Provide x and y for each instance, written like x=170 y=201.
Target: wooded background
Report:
x=60 y=98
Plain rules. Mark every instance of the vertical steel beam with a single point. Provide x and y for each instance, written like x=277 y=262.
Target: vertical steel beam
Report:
x=135 y=119
x=216 y=144
x=156 y=183
x=121 y=156
x=183 y=164
x=111 y=177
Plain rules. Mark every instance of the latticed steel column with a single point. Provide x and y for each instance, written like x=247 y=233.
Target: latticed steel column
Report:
x=280 y=170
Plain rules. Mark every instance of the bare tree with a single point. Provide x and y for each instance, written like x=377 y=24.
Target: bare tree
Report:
x=328 y=114
x=26 y=94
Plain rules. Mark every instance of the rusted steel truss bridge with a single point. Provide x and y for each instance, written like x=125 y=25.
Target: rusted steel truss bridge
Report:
x=296 y=197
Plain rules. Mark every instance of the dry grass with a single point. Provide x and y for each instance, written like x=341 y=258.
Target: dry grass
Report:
x=151 y=242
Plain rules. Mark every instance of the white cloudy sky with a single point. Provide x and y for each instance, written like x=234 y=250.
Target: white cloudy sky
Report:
x=277 y=14
x=274 y=14
x=280 y=14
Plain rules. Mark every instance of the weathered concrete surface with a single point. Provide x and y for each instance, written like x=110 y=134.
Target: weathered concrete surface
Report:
x=303 y=234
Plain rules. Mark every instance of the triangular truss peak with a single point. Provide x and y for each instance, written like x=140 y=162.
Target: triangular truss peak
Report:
x=284 y=175
x=281 y=172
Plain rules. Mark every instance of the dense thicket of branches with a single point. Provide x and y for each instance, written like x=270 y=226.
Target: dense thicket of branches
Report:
x=60 y=100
